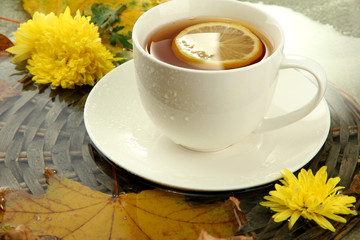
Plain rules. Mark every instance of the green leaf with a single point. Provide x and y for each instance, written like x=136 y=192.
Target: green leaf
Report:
x=103 y=16
x=122 y=57
x=123 y=39
x=118 y=28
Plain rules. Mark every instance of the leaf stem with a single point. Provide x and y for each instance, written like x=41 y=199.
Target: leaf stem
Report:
x=116 y=190
x=10 y=20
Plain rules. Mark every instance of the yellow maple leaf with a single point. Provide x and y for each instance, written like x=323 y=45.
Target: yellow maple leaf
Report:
x=127 y=17
x=58 y=6
x=69 y=210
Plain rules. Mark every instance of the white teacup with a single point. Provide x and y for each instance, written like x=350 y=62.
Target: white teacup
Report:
x=209 y=110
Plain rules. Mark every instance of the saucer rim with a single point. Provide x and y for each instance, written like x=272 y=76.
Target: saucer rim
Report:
x=121 y=164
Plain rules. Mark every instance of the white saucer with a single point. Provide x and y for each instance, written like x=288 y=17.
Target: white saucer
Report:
x=120 y=129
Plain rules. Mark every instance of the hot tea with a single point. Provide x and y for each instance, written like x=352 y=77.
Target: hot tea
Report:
x=191 y=106
x=160 y=43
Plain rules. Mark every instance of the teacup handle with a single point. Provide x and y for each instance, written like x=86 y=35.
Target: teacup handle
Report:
x=317 y=71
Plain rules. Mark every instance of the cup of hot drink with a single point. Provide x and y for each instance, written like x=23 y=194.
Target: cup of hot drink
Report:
x=207 y=71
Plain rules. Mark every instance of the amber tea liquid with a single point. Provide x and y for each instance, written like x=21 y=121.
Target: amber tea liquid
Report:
x=160 y=40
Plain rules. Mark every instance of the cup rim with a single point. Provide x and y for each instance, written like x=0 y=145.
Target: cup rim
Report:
x=277 y=50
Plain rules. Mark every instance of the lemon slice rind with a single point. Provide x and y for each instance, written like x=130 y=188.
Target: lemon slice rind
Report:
x=217 y=45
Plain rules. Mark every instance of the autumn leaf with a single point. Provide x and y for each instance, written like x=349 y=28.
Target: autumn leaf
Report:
x=69 y=210
x=58 y=6
x=7 y=91
x=129 y=11
x=3 y=191
x=206 y=236
x=21 y=232
x=4 y=44
x=355 y=185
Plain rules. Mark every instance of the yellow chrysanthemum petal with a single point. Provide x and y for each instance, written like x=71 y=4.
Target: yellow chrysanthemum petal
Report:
x=334 y=217
x=283 y=215
x=332 y=182
x=22 y=52
x=305 y=177
x=313 y=197
x=289 y=177
x=323 y=222
x=62 y=51
x=294 y=217
x=272 y=202
x=321 y=177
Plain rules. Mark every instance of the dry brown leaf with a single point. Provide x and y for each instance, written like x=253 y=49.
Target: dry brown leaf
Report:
x=241 y=215
x=355 y=185
x=21 y=232
x=4 y=44
x=3 y=191
x=206 y=236
x=69 y=210
x=7 y=91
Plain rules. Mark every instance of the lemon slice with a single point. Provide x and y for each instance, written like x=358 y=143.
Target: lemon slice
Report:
x=217 y=45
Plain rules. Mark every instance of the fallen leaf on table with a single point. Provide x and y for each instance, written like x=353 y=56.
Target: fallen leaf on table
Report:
x=69 y=210
x=206 y=236
x=58 y=6
x=21 y=232
x=127 y=17
x=240 y=213
x=7 y=91
x=3 y=191
x=4 y=44
x=355 y=185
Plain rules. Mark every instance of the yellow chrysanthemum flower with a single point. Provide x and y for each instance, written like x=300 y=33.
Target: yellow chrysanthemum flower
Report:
x=63 y=51
x=312 y=197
